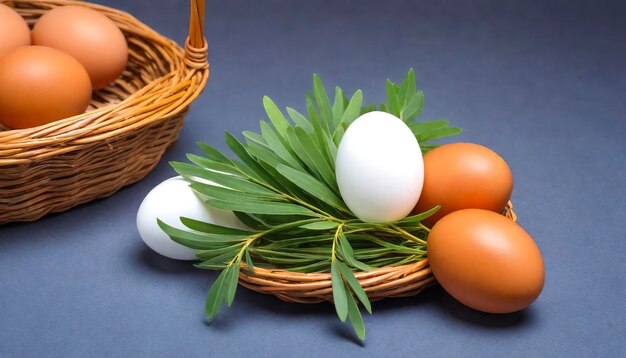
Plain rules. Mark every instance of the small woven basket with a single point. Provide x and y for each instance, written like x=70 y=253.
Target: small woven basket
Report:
x=388 y=281
x=122 y=135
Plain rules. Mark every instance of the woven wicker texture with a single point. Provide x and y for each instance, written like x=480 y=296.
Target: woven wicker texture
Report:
x=123 y=134
x=389 y=281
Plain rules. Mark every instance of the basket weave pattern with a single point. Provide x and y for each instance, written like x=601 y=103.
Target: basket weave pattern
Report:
x=123 y=134
x=388 y=281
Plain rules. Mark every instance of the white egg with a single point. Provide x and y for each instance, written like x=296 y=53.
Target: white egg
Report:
x=379 y=168
x=169 y=201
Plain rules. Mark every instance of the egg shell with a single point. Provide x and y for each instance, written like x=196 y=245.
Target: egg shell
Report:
x=379 y=168
x=464 y=176
x=485 y=261
x=169 y=201
x=89 y=36
x=14 y=31
x=39 y=85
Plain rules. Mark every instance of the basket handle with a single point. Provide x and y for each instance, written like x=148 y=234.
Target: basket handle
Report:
x=196 y=45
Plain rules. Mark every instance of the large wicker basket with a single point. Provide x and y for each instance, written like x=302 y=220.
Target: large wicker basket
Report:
x=384 y=282
x=122 y=135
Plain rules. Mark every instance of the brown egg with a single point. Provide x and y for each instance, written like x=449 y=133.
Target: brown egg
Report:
x=485 y=261
x=461 y=176
x=39 y=85
x=14 y=31
x=89 y=36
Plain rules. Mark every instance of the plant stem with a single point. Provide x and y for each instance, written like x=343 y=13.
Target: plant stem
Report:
x=333 y=256
x=407 y=235
x=259 y=235
x=237 y=259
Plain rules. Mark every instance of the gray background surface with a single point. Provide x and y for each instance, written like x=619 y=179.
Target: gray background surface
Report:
x=540 y=82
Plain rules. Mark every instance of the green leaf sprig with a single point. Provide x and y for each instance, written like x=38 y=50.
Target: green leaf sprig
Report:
x=281 y=184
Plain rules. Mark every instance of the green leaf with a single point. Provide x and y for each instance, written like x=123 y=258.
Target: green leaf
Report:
x=209 y=254
x=339 y=132
x=197 y=240
x=311 y=111
x=318 y=132
x=323 y=250
x=415 y=220
x=268 y=208
x=214 y=154
x=288 y=187
x=369 y=108
x=275 y=115
x=216 y=297
x=311 y=185
x=395 y=261
x=339 y=292
x=439 y=133
x=293 y=253
x=332 y=148
x=230 y=181
x=338 y=107
x=355 y=286
x=263 y=154
x=220 y=260
x=300 y=120
x=233 y=282
x=314 y=267
x=256 y=171
x=413 y=108
x=407 y=90
x=354 y=107
x=316 y=239
x=301 y=152
x=345 y=245
x=427 y=147
x=212 y=165
x=368 y=254
x=320 y=225
x=355 y=317
x=402 y=93
x=392 y=99
x=279 y=148
x=269 y=221
x=213 y=267
x=251 y=221
x=391 y=246
x=253 y=137
x=422 y=127
x=286 y=258
x=249 y=260
x=211 y=228
x=221 y=193
x=322 y=101
x=318 y=159
x=293 y=224
x=348 y=254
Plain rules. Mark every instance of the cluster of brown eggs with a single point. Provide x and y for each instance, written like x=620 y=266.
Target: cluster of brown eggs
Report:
x=49 y=73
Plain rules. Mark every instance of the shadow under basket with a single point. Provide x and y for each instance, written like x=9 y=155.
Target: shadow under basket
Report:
x=122 y=135
x=389 y=281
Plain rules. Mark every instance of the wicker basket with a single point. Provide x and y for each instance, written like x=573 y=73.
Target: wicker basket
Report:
x=388 y=281
x=123 y=134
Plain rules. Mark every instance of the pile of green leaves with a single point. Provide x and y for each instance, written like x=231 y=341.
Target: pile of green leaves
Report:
x=282 y=186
